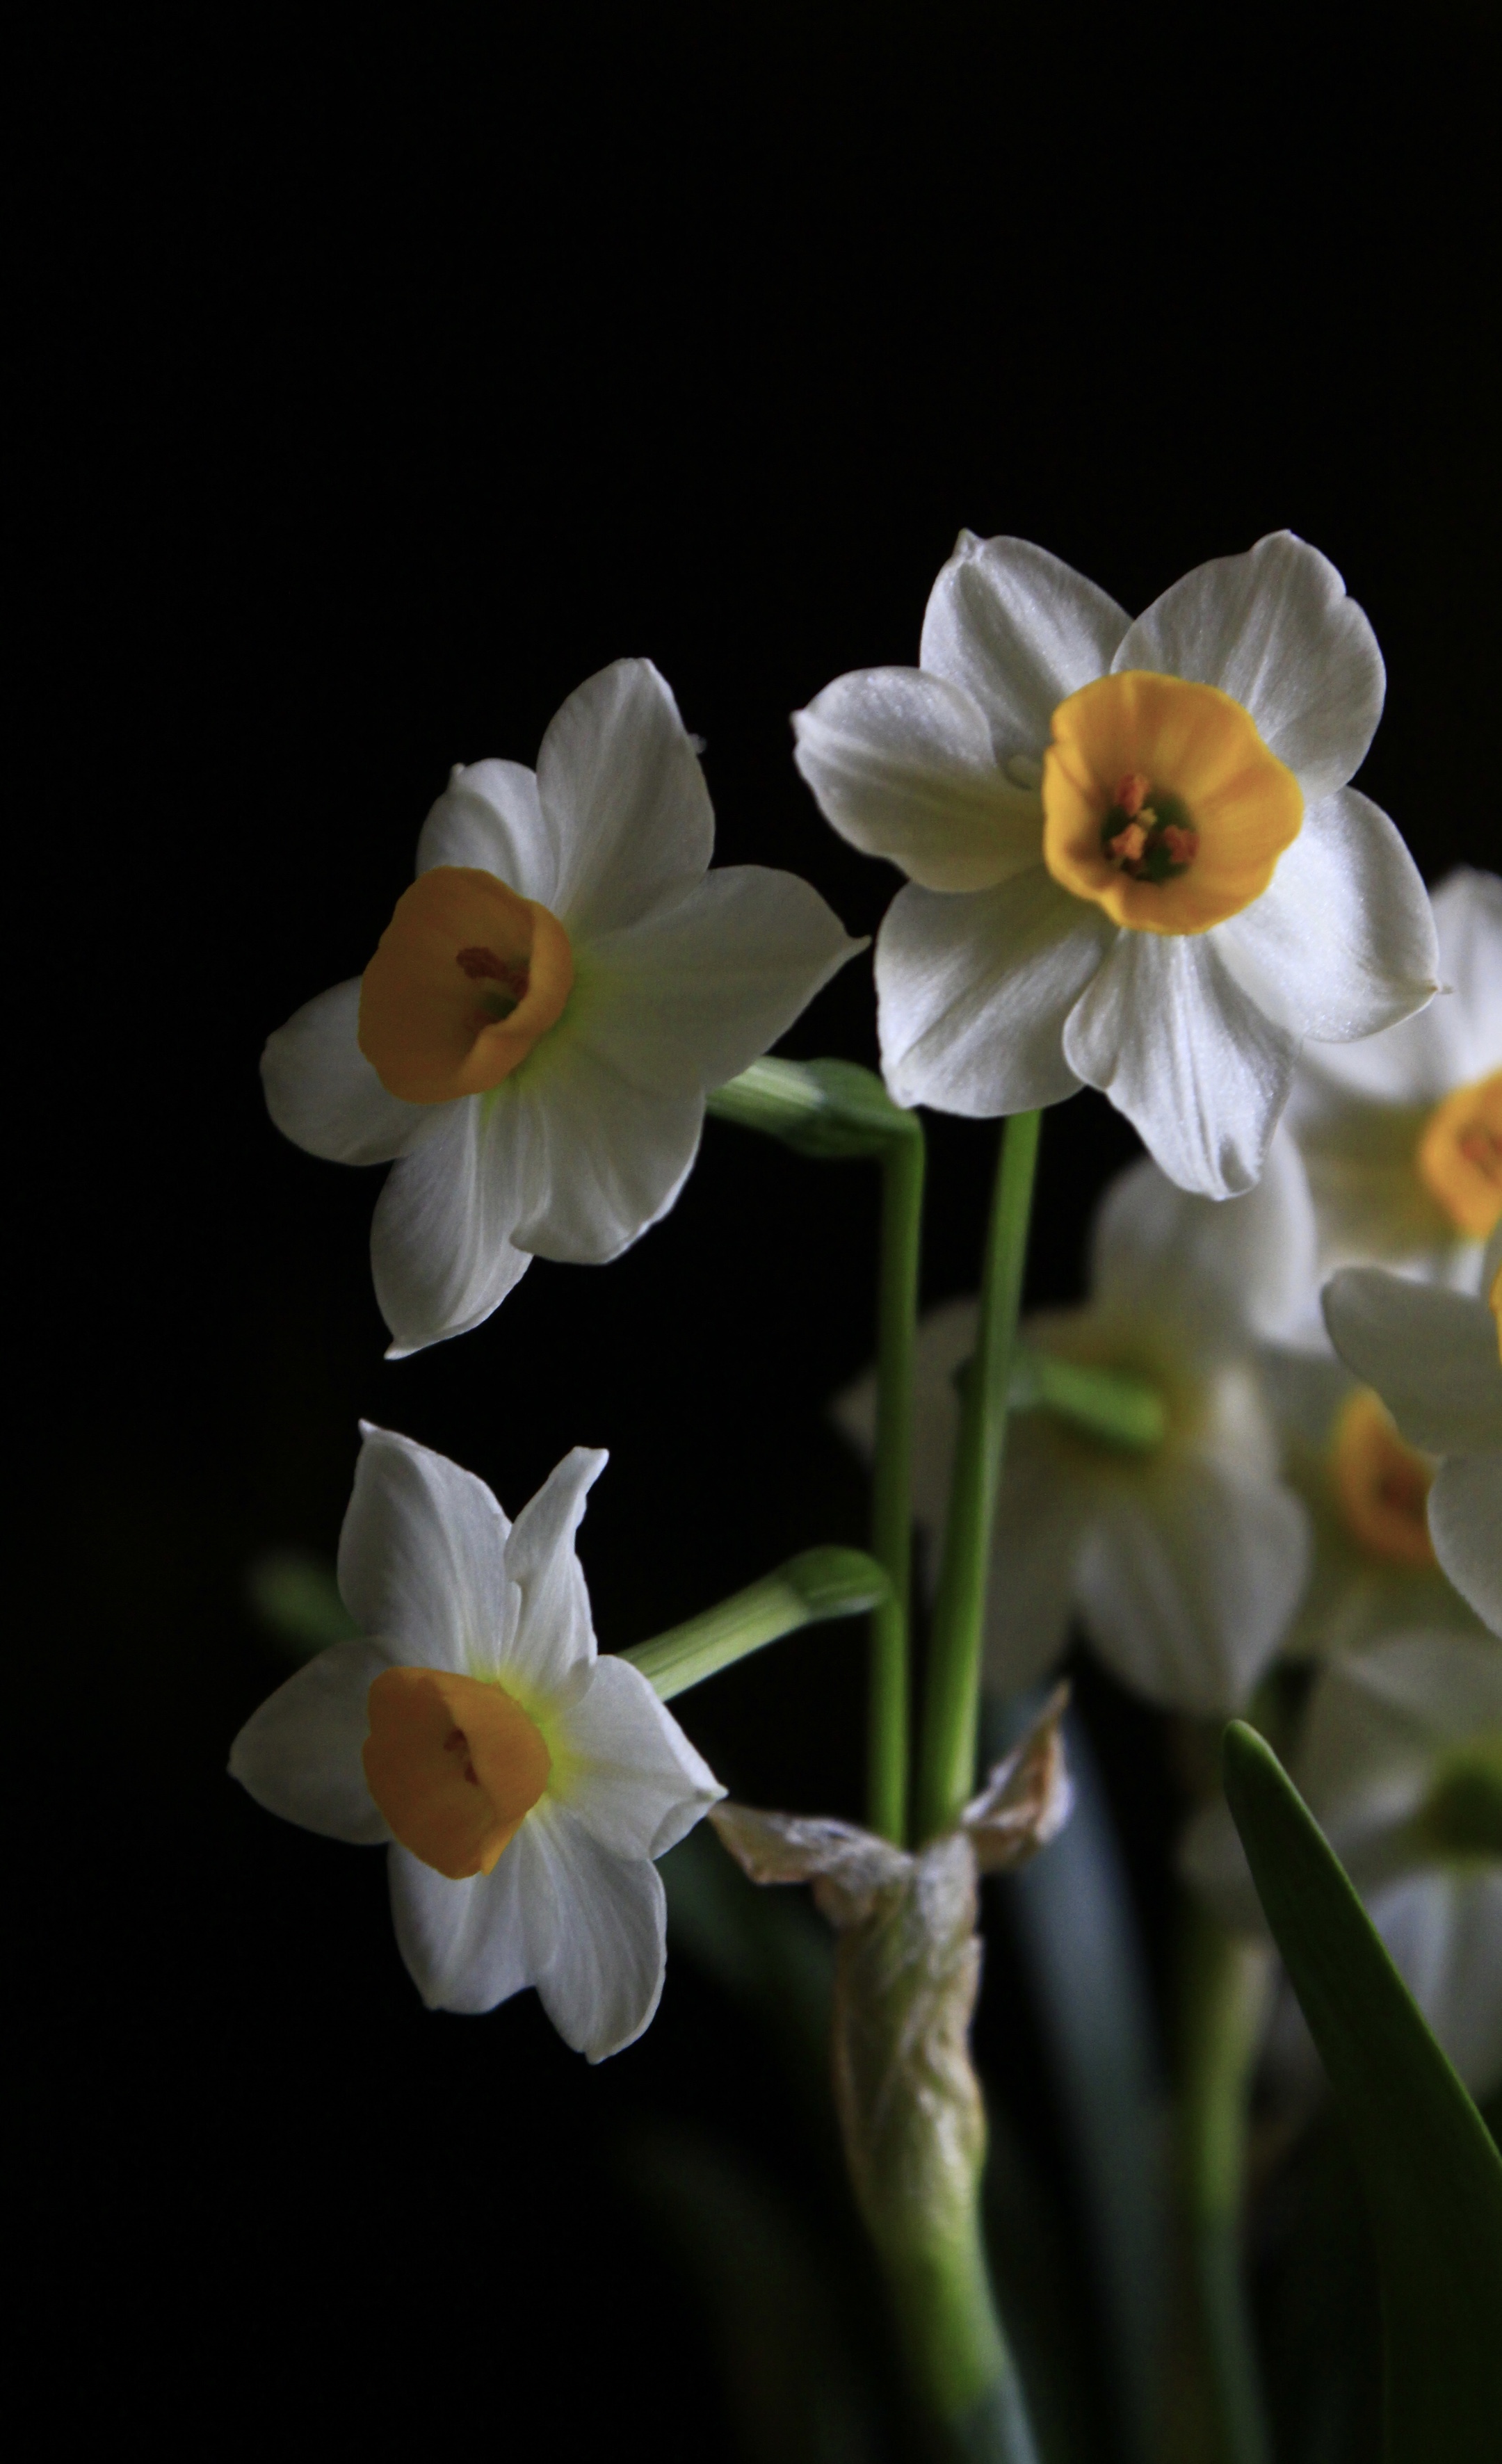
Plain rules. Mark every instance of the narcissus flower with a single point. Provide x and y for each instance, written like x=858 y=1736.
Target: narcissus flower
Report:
x=525 y=1784
x=553 y=998
x=1134 y=858
x=1400 y=1761
x=1401 y=1135
x=1374 y=1569
x=1435 y=1358
x=1183 y=1559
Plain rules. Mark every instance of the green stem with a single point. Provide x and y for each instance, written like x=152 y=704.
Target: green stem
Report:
x=1224 y=2001
x=946 y=1777
x=818 y=1584
x=957 y=2352
x=891 y=1484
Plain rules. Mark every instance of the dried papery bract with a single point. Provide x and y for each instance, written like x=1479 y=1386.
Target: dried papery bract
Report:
x=907 y=1972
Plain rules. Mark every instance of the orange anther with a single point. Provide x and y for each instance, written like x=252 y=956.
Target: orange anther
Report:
x=1132 y=792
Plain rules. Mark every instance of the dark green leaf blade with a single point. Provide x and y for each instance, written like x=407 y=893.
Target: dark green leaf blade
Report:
x=1431 y=2174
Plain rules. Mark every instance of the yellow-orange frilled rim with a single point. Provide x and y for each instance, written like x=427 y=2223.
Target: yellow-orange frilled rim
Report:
x=1459 y=1157
x=466 y=977
x=454 y=1764
x=1162 y=803
x=1381 y=1485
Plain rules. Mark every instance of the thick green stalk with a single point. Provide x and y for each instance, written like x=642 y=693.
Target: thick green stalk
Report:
x=957 y=2353
x=1226 y=1980
x=818 y=1584
x=891 y=1484
x=946 y=1776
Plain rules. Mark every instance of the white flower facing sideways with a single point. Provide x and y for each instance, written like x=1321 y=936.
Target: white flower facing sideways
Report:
x=1134 y=860
x=1401 y=1135
x=1435 y=1358
x=525 y=1784
x=1183 y=1561
x=553 y=997
x=1400 y=1761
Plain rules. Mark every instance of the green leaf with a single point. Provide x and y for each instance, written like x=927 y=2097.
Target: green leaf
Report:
x=831 y=1108
x=1431 y=2174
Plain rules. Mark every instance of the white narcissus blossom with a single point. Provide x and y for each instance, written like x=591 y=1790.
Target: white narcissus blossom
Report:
x=1435 y=1358
x=1183 y=1562
x=1401 y=1133
x=1399 y=1738
x=1374 y=1570
x=553 y=997
x=1134 y=857
x=526 y=1785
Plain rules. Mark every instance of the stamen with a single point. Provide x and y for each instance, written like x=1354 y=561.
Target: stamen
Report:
x=1132 y=792
x=1126 y=846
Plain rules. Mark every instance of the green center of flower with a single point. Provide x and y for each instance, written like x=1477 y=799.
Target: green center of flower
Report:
x=1147 y=832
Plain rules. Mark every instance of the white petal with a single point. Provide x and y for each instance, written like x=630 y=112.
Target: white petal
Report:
x=627 y=1770
x=601 y=1159
x=554 y=1633
x=1342 y=942
x=692 y=997
x=624 y=799
x=490 y=817
x=1234 y=1266
x=422 y=1559
x=1467 y=917
x=603 y=1980
x=441 y=1244
x=1197 y=1068
x=1188 y=1580
x=903 y=765
x=1276 y=631
x=1431 y=1355
x=973 y=991
x=1444 y=1932
x=470 y=1945
x=1465 y=1528
x=1041 y=1516
x=321 y=1091
x=299 y=1755
x=1018 y=630
x=1380 y=1721
x=1458 y=1039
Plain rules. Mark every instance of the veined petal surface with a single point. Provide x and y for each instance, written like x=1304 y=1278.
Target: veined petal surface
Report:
x=490 y=817
x=1199 y=1070
x=422 y=1559
x=1342 y=939
x=323 y=1093
x=440 y=1244
x=1275 y=630
x=1018 y=630
x=624 y=799
x=299 y=1755
x=625 y=1768
x=974 y=988
x=903 y=765
x=603 y=1979
x=554 y=1632
x=468 y=1946
x=597 y=1158
x=1458 y=1038
x=694 y=994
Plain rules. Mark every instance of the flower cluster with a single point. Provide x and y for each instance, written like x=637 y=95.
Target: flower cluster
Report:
x=1261 y=1463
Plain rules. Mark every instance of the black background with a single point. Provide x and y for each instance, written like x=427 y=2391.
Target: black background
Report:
x=375 y=389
